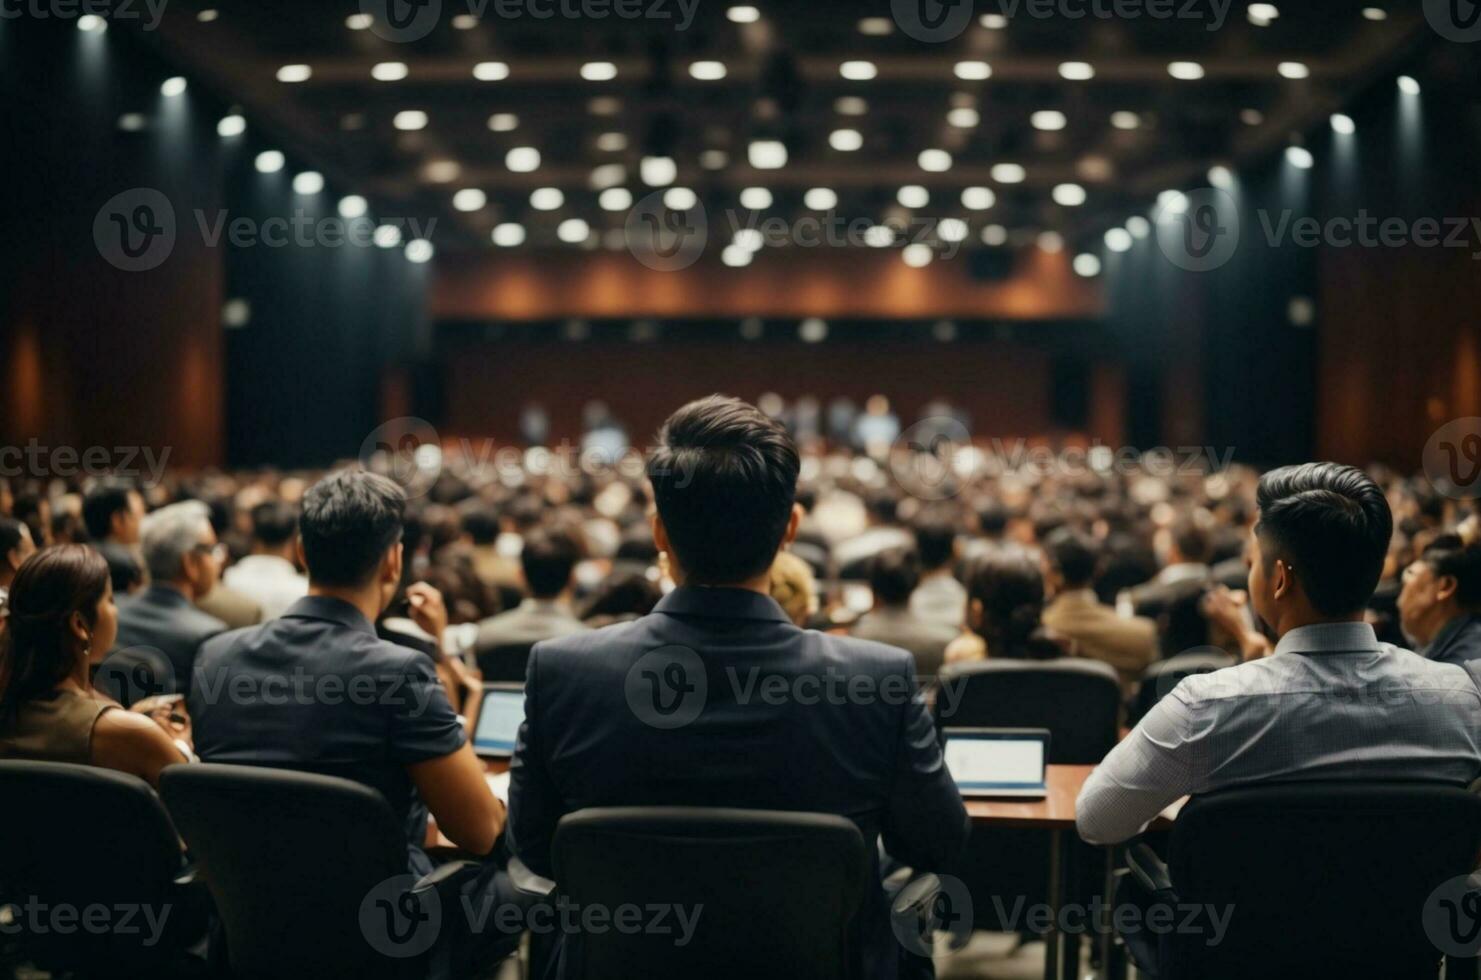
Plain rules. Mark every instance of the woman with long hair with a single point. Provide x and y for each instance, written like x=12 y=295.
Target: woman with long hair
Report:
x=1005 y=608
x=62 y=621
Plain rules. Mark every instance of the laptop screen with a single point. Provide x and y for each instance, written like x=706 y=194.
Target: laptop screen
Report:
x=499 y=718
x=984 y=760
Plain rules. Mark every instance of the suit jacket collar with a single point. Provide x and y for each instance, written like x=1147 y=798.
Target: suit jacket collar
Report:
x=1448 y=635
x=158 y=594
x=696 y=600
x=331 y=609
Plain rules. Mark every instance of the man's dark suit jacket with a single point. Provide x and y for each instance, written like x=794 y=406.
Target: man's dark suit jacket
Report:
x=874 y=759
x=1458 y=643
x=163 y=619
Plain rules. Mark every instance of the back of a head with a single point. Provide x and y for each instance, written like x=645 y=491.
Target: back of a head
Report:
x=349 y=520
x=1074 y=555
x=1449 y=555
x=10 y=535
x=171 y=533
x=1331 y=524
x=935 y=539
x=724 y=480
x=1192 y=541
x=480 y=523
x=99 y=505
x=274 y=523
x=893 y=575
x=548 y=557
x=1010 y=587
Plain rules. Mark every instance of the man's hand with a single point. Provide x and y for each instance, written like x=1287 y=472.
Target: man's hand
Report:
x=427 y=609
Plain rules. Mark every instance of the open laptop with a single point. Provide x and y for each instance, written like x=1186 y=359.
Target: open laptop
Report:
x=999 y=762
x=500 y=713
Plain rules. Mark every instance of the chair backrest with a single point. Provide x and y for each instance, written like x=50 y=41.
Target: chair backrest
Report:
x=505 y=662
x=290 y=858
x=1079 y=701
x=76 y=836
x=1162 y=676
x=775 y=894
x=1323 y=879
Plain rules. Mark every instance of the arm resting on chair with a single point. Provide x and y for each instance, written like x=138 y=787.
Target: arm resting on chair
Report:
x=1148 y=869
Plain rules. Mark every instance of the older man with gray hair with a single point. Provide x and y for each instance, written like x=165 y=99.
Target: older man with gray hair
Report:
x=184 y=561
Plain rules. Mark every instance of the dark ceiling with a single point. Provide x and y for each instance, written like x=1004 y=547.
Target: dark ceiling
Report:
x=782 y=82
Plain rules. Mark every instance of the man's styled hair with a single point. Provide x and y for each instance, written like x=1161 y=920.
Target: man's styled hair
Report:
x=893 y=575
x=1192 y=541
x=348 y=522
x=548 y=557
x=1331 y=525
x=101 y=503
x=171 y=533
x=274 y=523
x=1074 y=555
x=724 y=479
x=1450 y=555
x=935 y=539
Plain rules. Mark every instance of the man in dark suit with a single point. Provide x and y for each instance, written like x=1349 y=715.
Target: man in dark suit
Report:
x=1440 y=602
x=717 y=699
x=181 y=555
x=113 y=512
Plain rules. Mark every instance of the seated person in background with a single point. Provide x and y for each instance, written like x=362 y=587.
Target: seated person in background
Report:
x=1174 y=596
x=113 y=512
x=893 y=576
x=181 y=555
x=939 y=598
x=625 y=594
x=1440 y=604
x=405 y=741
x=794 y=588
x=1127 y=643
x=724 y=476
x=62 y=621
x=15 y=547
x=267 y=576
x=1005 y=607
x=1308 y=711
x=547 y=560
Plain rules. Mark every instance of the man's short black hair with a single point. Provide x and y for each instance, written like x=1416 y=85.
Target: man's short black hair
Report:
x=101 y=503
x=481 y=523
x=1074 y=555
x=548 y=558
x=1449 y=555
x=274 y=523
x=1192 y=541
x=893 y=575
x=724 y=479
x=10 y=535
x=349 y=520
x=1331 y=525
x=935 y=539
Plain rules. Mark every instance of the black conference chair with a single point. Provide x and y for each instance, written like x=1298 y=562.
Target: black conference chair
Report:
x=309 y=873
x=505 y=662
x=1321 y=879
x=79 y=838
x=779 y=891
x=1079 y=701
x=1161 y=677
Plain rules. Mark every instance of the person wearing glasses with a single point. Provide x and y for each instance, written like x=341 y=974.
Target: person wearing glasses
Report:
x=159 y=629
